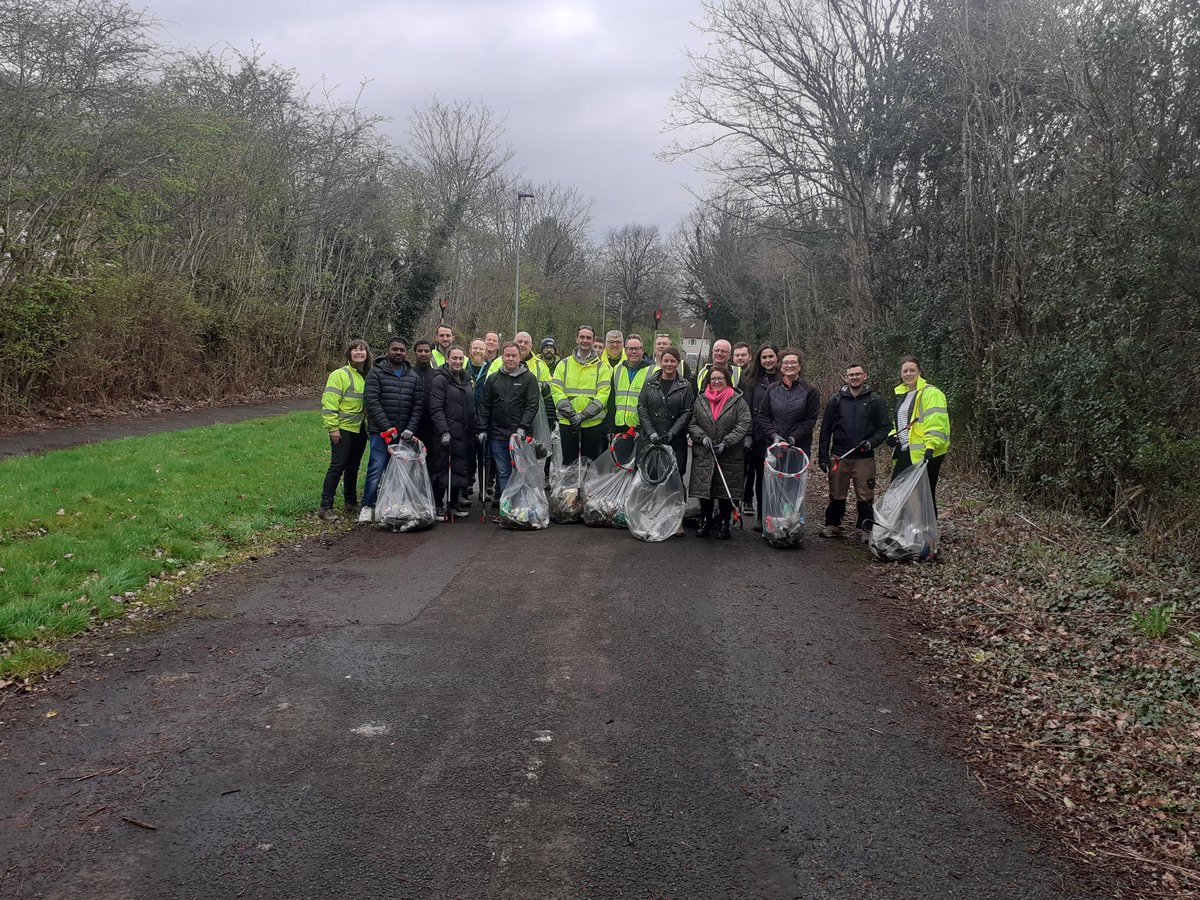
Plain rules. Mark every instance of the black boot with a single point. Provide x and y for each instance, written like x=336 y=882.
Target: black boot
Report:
x=705 y=528
x=835 y=511
x=724 y=533
x=865 y=515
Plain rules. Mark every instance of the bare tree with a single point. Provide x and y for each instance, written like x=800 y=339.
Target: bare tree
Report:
x=637 y=271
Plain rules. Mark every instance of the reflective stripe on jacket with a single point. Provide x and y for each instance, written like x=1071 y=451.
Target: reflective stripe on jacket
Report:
x=584 y=385
x=735 y=371
x=627 y=387
x=928 y=421
x=342 y=401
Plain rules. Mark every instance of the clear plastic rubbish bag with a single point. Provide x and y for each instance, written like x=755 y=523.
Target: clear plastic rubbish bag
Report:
x=656 y=503
x=524 y=505
x=905 y=519
x=542 y=432
x=566 y=485
x=607 y=483
x=785 y=479
x=405 y=501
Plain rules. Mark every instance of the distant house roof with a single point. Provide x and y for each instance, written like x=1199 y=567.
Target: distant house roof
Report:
x=693 y=329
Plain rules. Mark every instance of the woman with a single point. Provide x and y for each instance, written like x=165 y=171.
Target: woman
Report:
x=452 y=410
x=665 y=407
x=761 y=374
x=921 y=424
x=720 y=420
x=346 y=422
x=789 y=408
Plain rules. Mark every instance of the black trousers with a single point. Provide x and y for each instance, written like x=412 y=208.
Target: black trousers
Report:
x=754 y=473
x=591 y=441
x=724 y=508
x=344 y=459
x=904 y=461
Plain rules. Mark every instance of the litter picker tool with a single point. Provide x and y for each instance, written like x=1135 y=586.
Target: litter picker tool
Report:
x=449 y=482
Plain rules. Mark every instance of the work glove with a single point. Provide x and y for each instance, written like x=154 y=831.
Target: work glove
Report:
x=719 y=449
x=747 y=442
x=928 y=455
x=592 y=409
x=539 y=449
x=406 y=434
x=446 y=439
x=893 y=441
x=576 y=419
x=481 y=437
x=777 y=438
x=707 y=442
x=389 y=435
x=565 y=409
x=824 y=464
x=520 y=434
x=864 y=447
x=654 y=438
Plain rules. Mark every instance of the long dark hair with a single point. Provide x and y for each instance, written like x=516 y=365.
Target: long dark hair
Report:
x=360 y=344
x=755 y=372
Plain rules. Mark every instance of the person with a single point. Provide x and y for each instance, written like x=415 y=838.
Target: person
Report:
x=425 y=370
x=790 y=407
x=510 y=402
x=741 y=355
x=395 y=401
x=665 y=406
x=662 y=341
x=452 y=406
x=921 y=425
x=720 y=419
x=444 y=338
x=344 y=419
x=614 y=355
x=722 y=350
x=761 y=374
x=628 y=379
x=549 y=352
x=536 y=365
x=855 y=423
x=476 y=364
x=581 y=386
x=491 y=340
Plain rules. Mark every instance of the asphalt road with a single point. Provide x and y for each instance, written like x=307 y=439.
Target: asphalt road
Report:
x=468 y=713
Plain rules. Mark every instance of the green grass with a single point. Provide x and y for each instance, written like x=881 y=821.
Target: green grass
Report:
x=80 y=527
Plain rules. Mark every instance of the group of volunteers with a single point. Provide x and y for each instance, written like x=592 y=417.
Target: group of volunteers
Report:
x=461 y=403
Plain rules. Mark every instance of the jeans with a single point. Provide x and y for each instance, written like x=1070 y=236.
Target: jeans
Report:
x=344 y=457
x=503 y=463
x=375 y=466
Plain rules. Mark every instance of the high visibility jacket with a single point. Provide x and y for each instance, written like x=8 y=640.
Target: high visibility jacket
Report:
x=627 y=387
x=342 y=401
x=928 y=420
x=439 y=358
x=585 y=386
x=538 y=367
x=735 y=371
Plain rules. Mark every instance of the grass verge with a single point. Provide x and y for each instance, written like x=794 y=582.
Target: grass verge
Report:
x=81 y=530
x=1077 y=657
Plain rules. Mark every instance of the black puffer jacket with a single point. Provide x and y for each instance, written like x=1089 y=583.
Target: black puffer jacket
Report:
x=791 y=412
x=452 y=410
x=393 y=401
x=666 y=411
x=850 y=420
x=510 y=401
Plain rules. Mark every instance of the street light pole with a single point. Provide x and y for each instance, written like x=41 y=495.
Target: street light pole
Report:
x=521 y=195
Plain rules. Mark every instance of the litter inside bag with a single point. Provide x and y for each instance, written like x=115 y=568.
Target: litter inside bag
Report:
x=566 y=485
x=655 y=504
x=785 y=479
x=405 y=501
x=524 y=505
x=905 y=519
x=607 y=483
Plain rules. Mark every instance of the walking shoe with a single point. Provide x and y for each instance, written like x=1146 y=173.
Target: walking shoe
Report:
x=724 y=534
x=462 y=509
x=441 y=514
x=327 y=514
x=353 y=509
x=366 y=514
x=705 y=528
x=831 y=531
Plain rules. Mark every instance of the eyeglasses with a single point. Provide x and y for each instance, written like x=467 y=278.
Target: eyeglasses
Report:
x=587 y=327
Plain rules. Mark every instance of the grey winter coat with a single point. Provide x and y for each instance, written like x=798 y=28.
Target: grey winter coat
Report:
x=730 y=427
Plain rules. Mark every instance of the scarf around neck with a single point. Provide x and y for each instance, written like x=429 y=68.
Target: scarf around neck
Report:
x=718 y=399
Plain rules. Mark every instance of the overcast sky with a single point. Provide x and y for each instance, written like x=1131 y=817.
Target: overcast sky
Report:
x=585 y=84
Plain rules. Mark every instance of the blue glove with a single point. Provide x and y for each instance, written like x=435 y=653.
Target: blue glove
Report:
x=928 y=455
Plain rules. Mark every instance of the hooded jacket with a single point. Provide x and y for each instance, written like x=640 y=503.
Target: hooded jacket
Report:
x=850 y=420
x=510 y=401
x=583 y=385
x=393 y=401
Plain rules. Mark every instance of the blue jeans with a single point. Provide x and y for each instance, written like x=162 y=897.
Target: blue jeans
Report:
x=375 y=466
x=503 y=464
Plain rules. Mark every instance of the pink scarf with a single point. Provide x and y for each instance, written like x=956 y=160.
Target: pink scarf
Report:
x=718 y=399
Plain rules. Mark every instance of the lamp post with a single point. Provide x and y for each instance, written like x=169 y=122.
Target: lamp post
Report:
x=521 y=195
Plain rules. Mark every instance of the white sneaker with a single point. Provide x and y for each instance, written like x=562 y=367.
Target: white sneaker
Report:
x=366 y=514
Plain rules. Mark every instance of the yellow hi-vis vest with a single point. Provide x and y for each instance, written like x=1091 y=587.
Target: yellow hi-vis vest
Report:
x=342 y=401
x=735 y=371
x=582 y=384
x=928 y=421
x=627 y=386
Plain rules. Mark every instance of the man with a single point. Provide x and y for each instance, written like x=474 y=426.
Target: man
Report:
x=741 y=354
x=476 y=363
x=549 y=352
x=491 y=340
x=445 y=337
x=856 y=422
x=395 y=402
x=614 y=355
x=627 y=381
x=722 y=350
x=541 y=371
x=581 y=387
x=509 y=405
x=425 y=370
x=661 y=343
